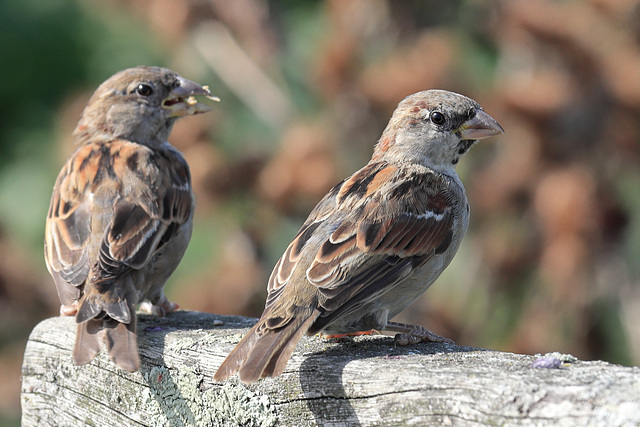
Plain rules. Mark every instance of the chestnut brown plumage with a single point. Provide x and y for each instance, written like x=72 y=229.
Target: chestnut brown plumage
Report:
x=376 y=241
x=121 y=211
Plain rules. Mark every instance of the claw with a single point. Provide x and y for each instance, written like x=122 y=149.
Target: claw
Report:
x=161 y=309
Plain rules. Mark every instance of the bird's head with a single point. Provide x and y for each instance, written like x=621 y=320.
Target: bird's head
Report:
x=434 y=128
x=140 y=104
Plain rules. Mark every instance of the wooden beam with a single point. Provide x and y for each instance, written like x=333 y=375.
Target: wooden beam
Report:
x=360 y=382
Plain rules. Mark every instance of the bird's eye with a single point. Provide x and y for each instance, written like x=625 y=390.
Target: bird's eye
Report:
x=144 y=90
x=437 y=117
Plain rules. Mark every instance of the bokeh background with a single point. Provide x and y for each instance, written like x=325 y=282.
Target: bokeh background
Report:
x=552 y=258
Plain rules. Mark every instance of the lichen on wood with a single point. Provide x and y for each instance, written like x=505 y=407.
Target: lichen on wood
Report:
x=363 y=381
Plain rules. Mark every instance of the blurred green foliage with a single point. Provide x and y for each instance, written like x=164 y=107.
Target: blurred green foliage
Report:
x=49 y=49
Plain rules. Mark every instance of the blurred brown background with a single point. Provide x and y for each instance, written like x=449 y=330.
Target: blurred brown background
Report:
x=551 y=258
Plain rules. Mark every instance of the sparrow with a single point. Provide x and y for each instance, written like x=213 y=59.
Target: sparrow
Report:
x=121 y=212
x=376 y=241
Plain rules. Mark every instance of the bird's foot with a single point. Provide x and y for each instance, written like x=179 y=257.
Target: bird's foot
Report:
x=161 y=309
x=352 y=334
x=69 y=310
x=412 y=334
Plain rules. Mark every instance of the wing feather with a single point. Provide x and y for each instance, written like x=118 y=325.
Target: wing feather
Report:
x=368 y=248
x=138 y=200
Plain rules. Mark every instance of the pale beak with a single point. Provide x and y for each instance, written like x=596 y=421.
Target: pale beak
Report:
x=182 y=99
x=480 y=126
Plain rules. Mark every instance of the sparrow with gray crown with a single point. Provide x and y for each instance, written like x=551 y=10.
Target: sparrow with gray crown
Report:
x=121 y=212
x=376 y=241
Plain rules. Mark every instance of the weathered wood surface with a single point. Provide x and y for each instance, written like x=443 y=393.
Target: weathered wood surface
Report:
x=367 y=381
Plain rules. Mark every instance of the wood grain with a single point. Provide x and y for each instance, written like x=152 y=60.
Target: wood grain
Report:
x=362 y=382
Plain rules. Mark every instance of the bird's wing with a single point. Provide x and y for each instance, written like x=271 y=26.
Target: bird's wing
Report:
x=142 y=194
x=68 y=224
x=368 y=234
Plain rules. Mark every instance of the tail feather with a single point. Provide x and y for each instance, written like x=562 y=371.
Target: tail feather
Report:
x=87 y=310
x=94 y=304
x=104 y=317
x=258 y=356
x=261 y=355
x=121 y=311
x=89 y=338
x=280 y=358
x=238 y=355
x=122 y=344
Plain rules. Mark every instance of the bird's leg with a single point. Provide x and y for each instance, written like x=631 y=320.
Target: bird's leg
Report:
x=412 y=334
x=160 y=307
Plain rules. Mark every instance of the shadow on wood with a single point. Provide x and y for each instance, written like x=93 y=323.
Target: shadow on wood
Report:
x=323 y=385
x=363 y=381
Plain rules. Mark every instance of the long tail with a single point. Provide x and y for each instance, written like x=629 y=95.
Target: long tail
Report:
x=265 y=353
x=122 y=343
x=99 y=320
x=120 y=338
x=89 y=340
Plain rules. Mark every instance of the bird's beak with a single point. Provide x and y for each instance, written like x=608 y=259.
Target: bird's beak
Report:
x=480 y=126
x=182 y=99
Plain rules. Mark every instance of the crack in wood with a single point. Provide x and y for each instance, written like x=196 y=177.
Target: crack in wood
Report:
x=325 y=383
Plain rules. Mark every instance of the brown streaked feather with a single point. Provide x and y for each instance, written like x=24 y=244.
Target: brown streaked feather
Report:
x=435 y=235
x=406 y=235
x=287 y=262
x=381 y=177
x=66 y=234
x=342 y=233
x=391 y=232
x=375 y=276
x=331 y=250
x=81 y=171
x=134 y=234
x=416 y=236
x=359 y=184
x=140 y=221
x=292 y=254
x=328 y=272
x=176 y=205
x=274 y=286
x=363 y=288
